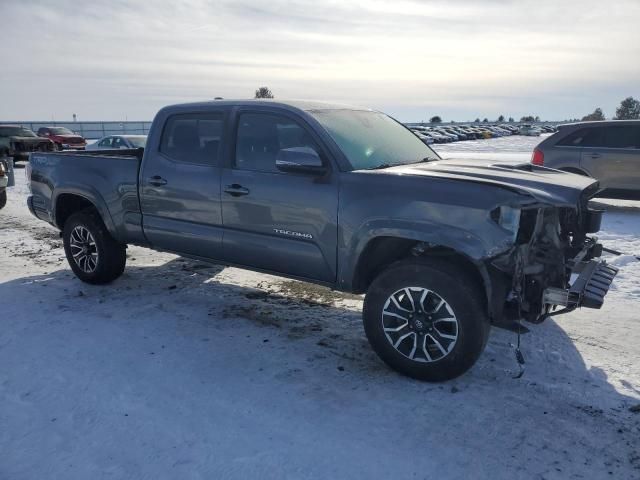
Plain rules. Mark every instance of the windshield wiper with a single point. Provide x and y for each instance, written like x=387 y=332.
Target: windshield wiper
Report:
x=381 y=166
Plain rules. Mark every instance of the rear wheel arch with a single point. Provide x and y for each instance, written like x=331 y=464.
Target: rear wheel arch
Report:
x=68 y=203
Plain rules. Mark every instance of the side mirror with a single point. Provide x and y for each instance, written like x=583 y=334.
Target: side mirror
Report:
x=300 y=160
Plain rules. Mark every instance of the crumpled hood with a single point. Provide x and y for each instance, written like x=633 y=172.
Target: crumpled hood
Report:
x=543 y=184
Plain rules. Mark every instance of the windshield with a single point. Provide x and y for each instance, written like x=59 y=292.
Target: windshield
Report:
x=372 y=139
x=16 y=132
x=61 y=131
x=137 y=142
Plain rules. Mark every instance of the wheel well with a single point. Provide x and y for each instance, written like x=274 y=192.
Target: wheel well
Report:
x=379 y=253
x=67 y=204
x=383 y=251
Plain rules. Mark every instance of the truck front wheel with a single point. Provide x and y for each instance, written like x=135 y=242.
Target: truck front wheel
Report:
x=93 y=254
x=425 y=320
x=3 y=197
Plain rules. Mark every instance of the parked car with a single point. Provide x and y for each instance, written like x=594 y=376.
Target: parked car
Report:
x=448 y=136
x=486 y=133
x=432 y=137
x=478 y=135
x=497 y=132
x=512 y=128
x=608 y=151
x=63 y=138
x=18 y=142
x=460 y=135
x=4 y=180
x=504 y=131
x=529 y=130
x=443 y=249
x=425 y=138
x=112 y=142
x=438 y=137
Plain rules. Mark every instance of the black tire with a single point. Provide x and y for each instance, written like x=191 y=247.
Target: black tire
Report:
x=462 y=297
x=110 y=256
x=3 y=198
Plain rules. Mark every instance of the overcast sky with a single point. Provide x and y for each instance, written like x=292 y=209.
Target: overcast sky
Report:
x=459 y=59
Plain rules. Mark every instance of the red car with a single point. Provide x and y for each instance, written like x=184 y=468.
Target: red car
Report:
x=63 y=138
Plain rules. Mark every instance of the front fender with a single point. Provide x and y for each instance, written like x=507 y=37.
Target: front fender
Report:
x=459 y=239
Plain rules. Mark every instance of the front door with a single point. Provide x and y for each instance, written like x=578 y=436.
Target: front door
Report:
x=282 y=222
x=180 y=186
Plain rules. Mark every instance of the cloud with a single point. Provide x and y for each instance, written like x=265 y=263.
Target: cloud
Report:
x=458 y=59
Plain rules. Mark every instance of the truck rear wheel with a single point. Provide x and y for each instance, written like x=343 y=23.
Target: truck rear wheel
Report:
x=3 y=197
x=93 y=254
x=425 y=321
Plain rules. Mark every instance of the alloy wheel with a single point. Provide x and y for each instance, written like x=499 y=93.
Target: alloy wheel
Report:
x=84 y=249
x=419 y=324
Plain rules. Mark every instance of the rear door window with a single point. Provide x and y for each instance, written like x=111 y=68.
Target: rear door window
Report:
x=193 y=137
x=584 y=137
x=622 y=136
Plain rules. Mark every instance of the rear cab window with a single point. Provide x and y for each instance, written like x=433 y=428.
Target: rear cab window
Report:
x=193 y=137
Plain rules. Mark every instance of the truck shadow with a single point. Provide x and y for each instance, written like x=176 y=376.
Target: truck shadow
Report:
x=203 y=343
x=197 y=296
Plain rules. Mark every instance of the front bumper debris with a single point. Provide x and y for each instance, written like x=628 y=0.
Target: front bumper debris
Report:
x=588 y=290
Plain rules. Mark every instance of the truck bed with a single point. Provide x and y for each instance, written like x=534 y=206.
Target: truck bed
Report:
x=107 y=178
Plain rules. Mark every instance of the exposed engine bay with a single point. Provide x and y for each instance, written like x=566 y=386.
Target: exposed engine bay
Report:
x=551 y=265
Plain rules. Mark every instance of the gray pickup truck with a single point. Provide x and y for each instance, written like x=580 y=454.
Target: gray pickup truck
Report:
x=344 y=197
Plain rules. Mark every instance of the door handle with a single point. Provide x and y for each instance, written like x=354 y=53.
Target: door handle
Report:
x=157 y=181
x=236 y=190
x=595 y=155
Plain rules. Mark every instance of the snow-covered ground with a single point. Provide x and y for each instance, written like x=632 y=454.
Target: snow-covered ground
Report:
x=183 y=370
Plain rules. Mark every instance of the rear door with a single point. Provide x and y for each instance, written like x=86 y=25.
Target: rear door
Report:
x=180 y=185
x=612 y=155
x=282 y=222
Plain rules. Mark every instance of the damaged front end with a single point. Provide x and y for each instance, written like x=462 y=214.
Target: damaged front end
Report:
x=552 y=266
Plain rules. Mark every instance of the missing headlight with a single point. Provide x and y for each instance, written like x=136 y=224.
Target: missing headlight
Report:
x=508 y=218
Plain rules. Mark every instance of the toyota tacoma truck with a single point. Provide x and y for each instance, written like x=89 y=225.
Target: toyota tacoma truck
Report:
x=344 y=197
